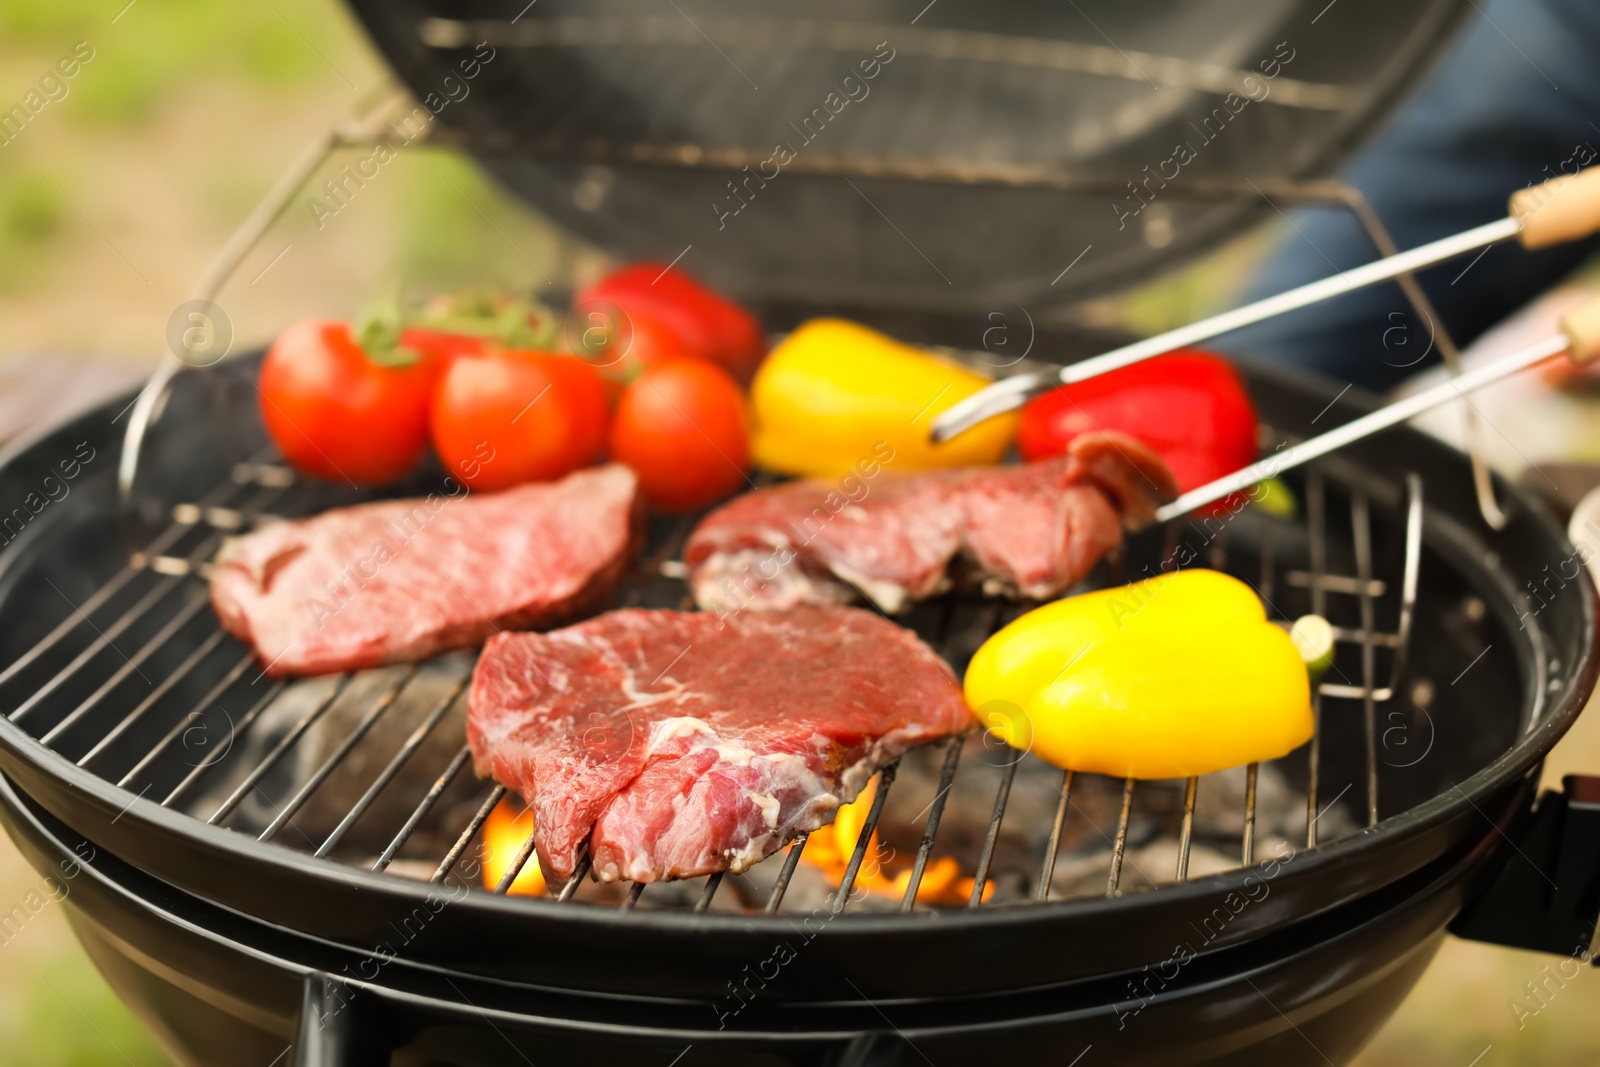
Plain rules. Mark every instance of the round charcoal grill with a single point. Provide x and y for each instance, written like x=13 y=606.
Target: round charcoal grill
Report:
x=269 y=867
x=311 y=874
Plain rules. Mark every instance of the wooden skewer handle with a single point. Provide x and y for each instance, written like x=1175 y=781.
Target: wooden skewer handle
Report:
x=1582 y=331
x=1561 y=209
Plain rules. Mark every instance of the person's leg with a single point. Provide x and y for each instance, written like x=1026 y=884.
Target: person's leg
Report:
x=1515 y=101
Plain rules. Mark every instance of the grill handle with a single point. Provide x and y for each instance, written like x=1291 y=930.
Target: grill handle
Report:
x=341 y=1025
x=1546 y=897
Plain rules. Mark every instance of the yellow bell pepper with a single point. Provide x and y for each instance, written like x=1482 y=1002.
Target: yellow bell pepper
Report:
x=1175 y=676
x=834 y=391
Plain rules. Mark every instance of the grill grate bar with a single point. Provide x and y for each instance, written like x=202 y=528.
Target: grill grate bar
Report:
x=105 y=639
x=1002 y=797
x=70 y=623
x=1336 y=583
x=1186 y=834
x=205 y=648
x=272 y=757
x=1048 y=870
x=578 y=874
x=200 y=768
x=425 y=805
x=1120 y=848
x=519 y=861
x=1247 y=850
x=129 y=666
x=1361 y=525
x=478 y=819
x=163 y=541
x=956 y=621
x=1318 y=550
x=947 y=774
x=377 y=712
x=400 y=759
x=701 y=905
x=864 y=838
x=1411 y=573
x=790 y=861
x=652 y=566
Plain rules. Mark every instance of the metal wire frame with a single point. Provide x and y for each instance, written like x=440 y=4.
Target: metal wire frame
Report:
x=1319 y=581
x=363 y=126
x=972 y=46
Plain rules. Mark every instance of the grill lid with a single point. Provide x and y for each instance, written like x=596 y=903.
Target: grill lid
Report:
x=896 y=154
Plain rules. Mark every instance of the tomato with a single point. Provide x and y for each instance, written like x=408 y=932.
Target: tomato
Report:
x=684 y=428
x=504 y=417
x=335 y=413
x=1189 y=406
x=442 y=345
x=710 y=325
x=621 y=351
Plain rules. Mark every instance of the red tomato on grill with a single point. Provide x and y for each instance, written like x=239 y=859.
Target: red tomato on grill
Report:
x=337 y=414
x=709 y=325
x=504 y=417
x=621 y=352
x=443 y=345
x=1189 y=406
x=684 y=429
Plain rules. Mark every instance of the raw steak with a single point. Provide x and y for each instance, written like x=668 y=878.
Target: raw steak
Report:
x=1030 y=529
x=402 y=579
x=679 y=744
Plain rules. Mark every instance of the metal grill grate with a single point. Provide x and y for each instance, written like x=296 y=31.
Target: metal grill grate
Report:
x=84 y=711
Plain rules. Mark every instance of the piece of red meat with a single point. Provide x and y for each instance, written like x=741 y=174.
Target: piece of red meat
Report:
x=676 y=744
x=399 y=580
x=1028 y=529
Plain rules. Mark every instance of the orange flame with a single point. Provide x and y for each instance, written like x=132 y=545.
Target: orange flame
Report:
x=504 y=834
x=829 y=849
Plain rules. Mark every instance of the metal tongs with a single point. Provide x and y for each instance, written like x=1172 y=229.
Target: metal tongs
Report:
x=1579 y=339
x=1559 y=210
x=1563 y=209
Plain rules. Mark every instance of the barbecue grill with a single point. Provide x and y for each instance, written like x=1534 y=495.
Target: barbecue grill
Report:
x=310 y=872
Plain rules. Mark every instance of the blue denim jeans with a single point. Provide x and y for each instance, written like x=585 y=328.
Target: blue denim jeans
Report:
x=1513 y=101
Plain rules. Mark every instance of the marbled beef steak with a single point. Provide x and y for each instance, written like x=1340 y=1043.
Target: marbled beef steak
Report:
x=1029 y=529
x=679 y=744
x=402 y=579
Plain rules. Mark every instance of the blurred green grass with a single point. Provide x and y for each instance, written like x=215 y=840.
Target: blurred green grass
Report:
x=64 y=1015
x=119 y=192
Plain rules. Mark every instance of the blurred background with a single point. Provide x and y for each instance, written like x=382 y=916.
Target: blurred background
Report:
x=114 y=197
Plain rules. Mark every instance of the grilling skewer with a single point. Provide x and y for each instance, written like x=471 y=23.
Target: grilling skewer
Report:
x=1562 y=209
x=1579 y=339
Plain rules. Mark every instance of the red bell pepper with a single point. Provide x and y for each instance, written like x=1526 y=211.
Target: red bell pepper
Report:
x=711 y=326
x=1189 y=406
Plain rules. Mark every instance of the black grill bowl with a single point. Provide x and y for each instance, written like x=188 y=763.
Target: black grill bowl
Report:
x=222 y=988
x=1325 y=946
